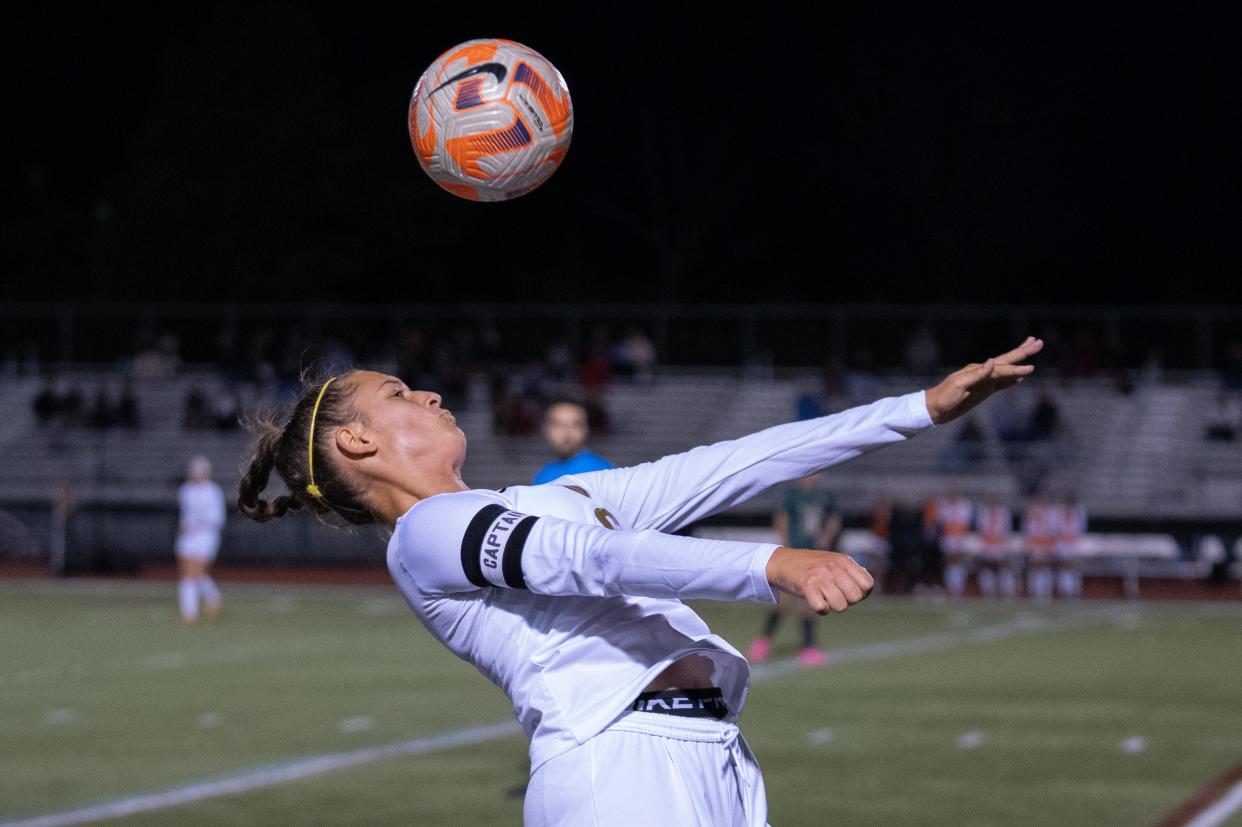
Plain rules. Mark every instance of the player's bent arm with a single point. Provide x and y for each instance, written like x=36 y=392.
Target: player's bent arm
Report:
x=672 y=492
x=461 y=542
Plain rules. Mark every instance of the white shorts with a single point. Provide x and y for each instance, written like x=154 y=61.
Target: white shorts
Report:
x=198 y=546
x=649 y=768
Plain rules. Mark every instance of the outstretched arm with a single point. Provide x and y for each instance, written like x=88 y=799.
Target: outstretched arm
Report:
x=461 y=542
x=471 y=540
x=672 y=492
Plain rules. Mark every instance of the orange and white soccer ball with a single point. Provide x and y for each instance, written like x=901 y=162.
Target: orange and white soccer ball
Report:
x=490 y=119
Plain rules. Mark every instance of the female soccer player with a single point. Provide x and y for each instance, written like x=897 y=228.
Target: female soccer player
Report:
x=198 y=538
x=568 y=595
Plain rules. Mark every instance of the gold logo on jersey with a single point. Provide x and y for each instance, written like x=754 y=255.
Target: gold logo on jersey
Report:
x=605 y=517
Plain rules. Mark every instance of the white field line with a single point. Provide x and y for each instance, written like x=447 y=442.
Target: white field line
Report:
x=164 y=661
x=1225 y=806
x=298 y=769
x=253 y=779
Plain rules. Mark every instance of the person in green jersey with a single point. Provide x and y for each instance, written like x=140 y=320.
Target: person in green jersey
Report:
x=807 y=518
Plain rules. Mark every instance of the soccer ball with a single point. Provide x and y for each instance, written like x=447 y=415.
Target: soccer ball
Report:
x=490 y=119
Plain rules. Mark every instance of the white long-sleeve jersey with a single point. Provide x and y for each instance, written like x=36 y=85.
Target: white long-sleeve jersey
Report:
x=568 y=595
x=202 y=507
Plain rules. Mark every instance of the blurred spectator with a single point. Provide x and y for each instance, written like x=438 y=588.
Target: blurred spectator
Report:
x=104 y=414
x=808 y=406
x=261 y=356
x=522 y=396
x=450 y=370
x=967 y=449
x=835 y=384
x=60 y=404
x=157 y=359
x=1231 y=376
x=861 y=384
x=1225 y=418
x=337 y=357
x=196 y=416
x=228 y=356
x=931 y=568
x=596 y=370
x=46 y=405
x=224 y=409
x=906 y=542
x=566 y=430
x=634 y=356
x=409 y=356
x=597 y=415
x=1045 y=419
x=127 y=410
x=1083 y=356
x=560 y=361
x=922 y=351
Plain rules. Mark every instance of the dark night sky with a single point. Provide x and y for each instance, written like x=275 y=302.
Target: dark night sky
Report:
x=209 y=152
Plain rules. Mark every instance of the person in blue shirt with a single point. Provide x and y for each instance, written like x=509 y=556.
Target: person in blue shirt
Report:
x=565 y=428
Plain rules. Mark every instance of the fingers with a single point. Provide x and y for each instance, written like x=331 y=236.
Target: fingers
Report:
x=1029 y=347
x=838 y=587
x=864 y=580
x=852 y=590
x=835 y=598
x=816 y=601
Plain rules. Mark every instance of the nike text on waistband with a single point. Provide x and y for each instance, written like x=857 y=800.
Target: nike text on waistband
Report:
x=687 y=703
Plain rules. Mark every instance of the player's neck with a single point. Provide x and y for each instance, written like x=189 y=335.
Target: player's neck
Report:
x=391 y=500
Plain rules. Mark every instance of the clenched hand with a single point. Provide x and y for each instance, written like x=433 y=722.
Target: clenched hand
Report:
x=826 y=580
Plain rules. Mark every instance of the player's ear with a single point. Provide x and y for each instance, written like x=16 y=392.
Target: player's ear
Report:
x=355 y=440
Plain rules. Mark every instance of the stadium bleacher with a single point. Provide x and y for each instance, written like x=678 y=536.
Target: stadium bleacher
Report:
x=1140 y=456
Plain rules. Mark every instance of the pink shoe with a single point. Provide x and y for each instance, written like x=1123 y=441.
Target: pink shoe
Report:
x=759 y=649
x=810 y=656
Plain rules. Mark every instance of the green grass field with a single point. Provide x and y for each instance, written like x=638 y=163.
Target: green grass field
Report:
x=1101 y=713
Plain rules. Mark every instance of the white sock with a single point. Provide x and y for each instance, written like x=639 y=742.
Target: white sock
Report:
x=187 y=598
x=207 y=589
x=987 y=582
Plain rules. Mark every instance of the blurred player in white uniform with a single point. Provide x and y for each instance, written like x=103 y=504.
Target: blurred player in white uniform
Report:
x=953 y=514
x=1071 y=525
x=568 y=595
x=1039 y=534
x=994 y=525
x=198 y=539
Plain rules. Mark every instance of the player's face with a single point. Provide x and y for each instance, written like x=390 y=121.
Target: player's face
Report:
x=565 y=428
x=410 y=424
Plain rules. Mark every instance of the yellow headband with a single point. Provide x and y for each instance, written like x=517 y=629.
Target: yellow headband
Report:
x=313 y=489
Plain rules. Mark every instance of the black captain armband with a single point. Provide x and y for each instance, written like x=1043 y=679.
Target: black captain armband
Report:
x=491 y=549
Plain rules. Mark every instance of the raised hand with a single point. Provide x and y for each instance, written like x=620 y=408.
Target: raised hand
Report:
x=827 y=580
x=962 y=390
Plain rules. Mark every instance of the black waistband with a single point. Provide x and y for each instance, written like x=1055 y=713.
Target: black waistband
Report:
x=688 y=703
